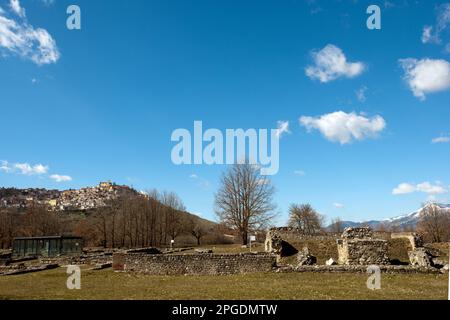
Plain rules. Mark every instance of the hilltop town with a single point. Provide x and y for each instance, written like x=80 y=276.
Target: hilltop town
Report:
x=73 y=200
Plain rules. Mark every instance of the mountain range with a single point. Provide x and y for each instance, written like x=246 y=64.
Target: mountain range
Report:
x=401 y=222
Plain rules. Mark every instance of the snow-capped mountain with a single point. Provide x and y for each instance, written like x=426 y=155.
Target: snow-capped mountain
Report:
x=403 y=221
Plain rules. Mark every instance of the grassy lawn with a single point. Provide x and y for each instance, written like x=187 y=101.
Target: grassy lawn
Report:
x=106 y=284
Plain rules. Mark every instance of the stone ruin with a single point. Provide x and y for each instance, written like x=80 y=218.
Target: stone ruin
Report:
x=419 y=256
x=358 y=247
x=304 y=258
x=193 y=264
x=277 y=245
x=415 y=239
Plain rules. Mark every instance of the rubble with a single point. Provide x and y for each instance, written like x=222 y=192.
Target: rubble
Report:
x=203 y=251
x=330 y=262
x=101 y=266
x=304 y=258
x=149 y=250
x=276 y=245
x=22 y=269
x=420 y=257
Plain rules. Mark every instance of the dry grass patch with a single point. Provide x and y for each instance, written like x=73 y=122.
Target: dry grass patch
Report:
x=106 y=284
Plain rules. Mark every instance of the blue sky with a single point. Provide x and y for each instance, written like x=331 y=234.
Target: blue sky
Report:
x=364 y=106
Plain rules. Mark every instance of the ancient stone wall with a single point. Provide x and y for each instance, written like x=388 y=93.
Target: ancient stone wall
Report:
x=357 y=247
x=193 y=264
x=415 y=239
x=357 y=233
x=93 y=259
x=363 y=252
x=293 y=235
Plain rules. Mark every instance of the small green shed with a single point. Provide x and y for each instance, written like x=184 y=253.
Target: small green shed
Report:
x=47 y=246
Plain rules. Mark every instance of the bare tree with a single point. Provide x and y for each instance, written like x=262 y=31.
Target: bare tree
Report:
x=38 y=221
x=383 y=227
x=307 y=220
x=244 y=201
x=337 y=226
x=198 y=229
x=173 y=218
x=8 y=227
x=435 y=223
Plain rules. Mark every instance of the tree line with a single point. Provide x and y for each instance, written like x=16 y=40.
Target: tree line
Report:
x=131 y=222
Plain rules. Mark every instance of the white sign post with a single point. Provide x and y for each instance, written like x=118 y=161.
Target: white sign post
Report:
x=252 y=238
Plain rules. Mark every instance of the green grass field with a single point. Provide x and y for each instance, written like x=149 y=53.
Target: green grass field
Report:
x=106 y=284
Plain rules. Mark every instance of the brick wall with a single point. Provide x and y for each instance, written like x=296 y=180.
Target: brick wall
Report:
x=193 y=264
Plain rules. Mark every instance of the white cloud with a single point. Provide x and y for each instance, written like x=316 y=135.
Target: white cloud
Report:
x=344 y=127
x=429 y=188
x=16 y=8
x=4 y=166
x=330 y=63
x=425 y=187
x=388 y=4
x=426 y=75
x=404 y=188
x=22 y=39
x=203 y=183
x=338 y=205
x=361 y=94
x=60 y=178
x=27 y=169
x=427 y=34
x=300 y=173
x=282 y=128
x=23 y=168
x=441 y=139
x=48 y=2
x=30 y=170
x=432 y=34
